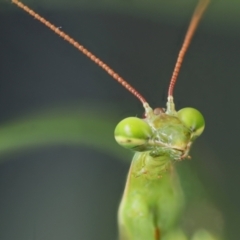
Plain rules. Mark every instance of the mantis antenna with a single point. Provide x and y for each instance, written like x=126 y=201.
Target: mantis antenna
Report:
x=188 y=37
x=191 y=29
x=197 y=15
x=82 y=49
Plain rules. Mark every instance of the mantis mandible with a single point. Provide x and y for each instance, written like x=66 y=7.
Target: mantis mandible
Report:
x=153 y=200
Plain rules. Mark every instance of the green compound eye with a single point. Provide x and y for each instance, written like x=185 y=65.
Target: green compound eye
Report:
x=132 y=132
x=192 y=119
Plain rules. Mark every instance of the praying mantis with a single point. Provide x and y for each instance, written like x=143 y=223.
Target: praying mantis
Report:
x=153 y=200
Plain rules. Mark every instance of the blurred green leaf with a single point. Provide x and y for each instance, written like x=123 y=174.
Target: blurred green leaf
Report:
x=91 y=127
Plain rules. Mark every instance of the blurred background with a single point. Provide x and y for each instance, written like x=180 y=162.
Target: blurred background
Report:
x=56 y=184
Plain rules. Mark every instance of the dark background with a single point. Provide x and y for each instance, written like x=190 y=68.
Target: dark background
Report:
x=67 y=192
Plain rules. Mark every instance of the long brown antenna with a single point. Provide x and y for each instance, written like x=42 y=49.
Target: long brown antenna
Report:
x=191 y=29
x=82 y=49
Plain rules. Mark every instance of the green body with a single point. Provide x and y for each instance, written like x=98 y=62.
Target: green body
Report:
x=150 y=205
x=153 y=200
